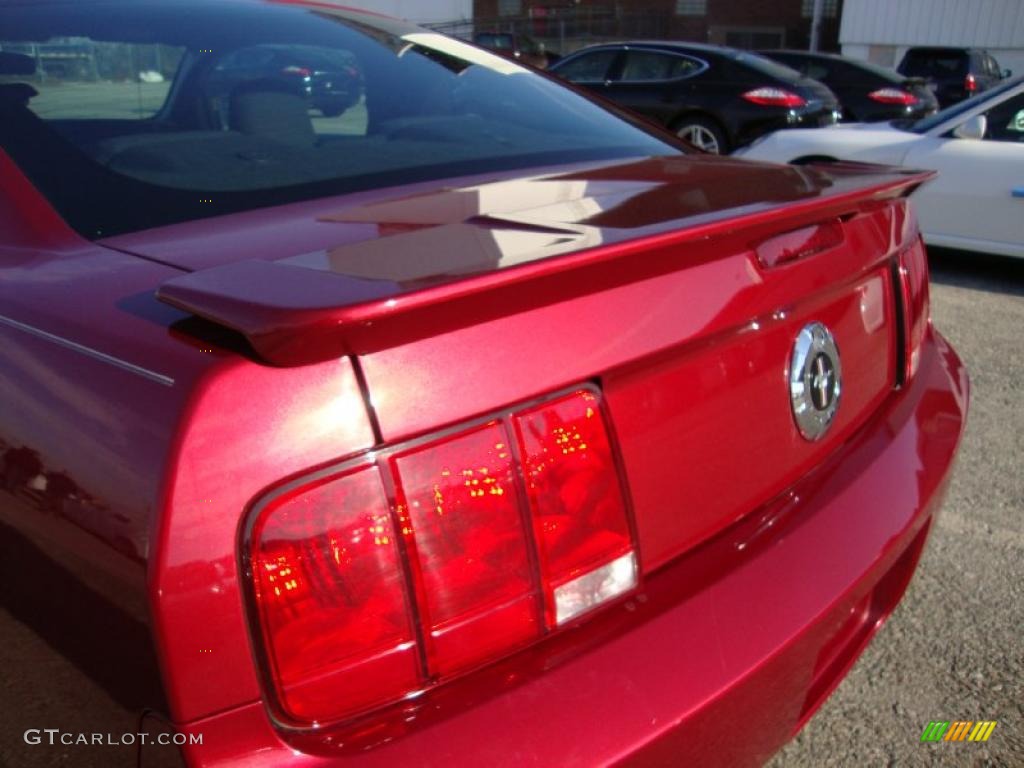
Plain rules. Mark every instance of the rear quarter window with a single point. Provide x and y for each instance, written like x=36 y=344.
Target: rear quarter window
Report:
x=589 y=67
x=655 y=66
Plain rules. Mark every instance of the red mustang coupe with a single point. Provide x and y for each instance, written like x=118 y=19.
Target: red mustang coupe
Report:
x=477 y=425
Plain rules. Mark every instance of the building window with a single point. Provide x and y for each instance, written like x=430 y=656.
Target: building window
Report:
x=691 y=7
x=510 y=7
x=829 y=10
x=753 y=39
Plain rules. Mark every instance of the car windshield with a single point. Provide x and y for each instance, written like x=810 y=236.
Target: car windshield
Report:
x=926 y=124
x=130 y=115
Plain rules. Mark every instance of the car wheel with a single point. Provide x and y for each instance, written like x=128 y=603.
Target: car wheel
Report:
x=703 y=134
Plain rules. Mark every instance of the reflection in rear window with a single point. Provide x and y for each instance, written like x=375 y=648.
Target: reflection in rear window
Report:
x=144 y=114
x=86 y=79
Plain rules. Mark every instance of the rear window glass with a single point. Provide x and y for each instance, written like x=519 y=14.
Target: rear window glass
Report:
x=854 y=71
x=933 y=64
x=767 y=66
x=491 y=40
x=850 y=72
x=131 y=115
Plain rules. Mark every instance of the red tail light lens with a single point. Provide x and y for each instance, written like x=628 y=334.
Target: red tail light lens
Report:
x=970 y=84
x=496 y=534
x=577 y=506
x=332 y=601
x=297 y=71
x=461 y=513
x=769 y=96
x=893 y=96
x=916 y=303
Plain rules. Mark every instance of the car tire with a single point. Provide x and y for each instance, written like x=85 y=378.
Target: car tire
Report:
x=703 y=133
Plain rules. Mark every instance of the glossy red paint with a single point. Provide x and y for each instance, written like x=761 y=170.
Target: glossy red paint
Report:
x=749 y=630
x=485 y=245
x=767 y=561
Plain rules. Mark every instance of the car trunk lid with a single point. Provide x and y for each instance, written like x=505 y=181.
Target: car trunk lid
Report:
x=662 y=281
x=312 y=281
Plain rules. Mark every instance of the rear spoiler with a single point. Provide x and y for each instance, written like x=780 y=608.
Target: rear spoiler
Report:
x=294 y=315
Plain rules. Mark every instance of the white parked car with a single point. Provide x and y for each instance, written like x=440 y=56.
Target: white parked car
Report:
x=977 y=146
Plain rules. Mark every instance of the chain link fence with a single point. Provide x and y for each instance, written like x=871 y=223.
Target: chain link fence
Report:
x=564 y=30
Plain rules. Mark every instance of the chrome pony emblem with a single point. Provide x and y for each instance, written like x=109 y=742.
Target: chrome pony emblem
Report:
x=815 y=380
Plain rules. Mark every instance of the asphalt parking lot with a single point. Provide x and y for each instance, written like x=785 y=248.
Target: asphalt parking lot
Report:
x=952 y=651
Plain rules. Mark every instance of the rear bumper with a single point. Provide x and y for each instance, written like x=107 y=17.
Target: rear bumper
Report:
x=804 y=117
x=724 y=655
x=885 y=112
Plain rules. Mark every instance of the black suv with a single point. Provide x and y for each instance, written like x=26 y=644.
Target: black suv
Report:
x=956 y=73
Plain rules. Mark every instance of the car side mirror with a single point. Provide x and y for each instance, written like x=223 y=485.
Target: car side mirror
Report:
x=16 y=64
x=1007 y=73
x=972 y=128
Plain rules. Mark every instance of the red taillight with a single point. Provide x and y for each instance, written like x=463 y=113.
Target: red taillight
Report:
x=461 y=512
x=913 y=270
x=332 y=599
x=297 y=71
x=769 y=96
x=579 y=515
x=893 y=96
x=970 y=84
x=495 y=534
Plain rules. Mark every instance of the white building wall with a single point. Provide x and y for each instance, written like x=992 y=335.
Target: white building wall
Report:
x=420 y=11
x=882 y=30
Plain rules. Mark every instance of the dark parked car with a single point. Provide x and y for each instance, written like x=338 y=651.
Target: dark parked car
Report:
x=954 y=73
x=516 y=46
x=716 y=98
x=867 y=92
x=329 y=80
